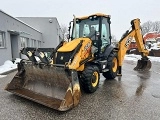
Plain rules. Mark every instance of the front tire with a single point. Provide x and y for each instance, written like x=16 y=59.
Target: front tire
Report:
x=112 y=66
x=89 y=79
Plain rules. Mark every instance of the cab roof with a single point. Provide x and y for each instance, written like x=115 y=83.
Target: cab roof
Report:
x=96 y=14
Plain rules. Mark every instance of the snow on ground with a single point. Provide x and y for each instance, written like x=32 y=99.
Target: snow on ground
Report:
x=133 y=57
x=154 y=46
x=8 y=65
x=1 y=76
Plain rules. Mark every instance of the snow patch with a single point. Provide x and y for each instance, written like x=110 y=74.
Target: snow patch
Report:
x=9 y=65
x=133 y=57
x=1 y=76
x=156 y=59
x=17 y=60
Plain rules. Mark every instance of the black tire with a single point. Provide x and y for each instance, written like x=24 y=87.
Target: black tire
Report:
x=89 y=79
x=112 y=66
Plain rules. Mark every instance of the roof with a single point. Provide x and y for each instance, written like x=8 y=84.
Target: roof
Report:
x=20 y=21
x=96 y=14
x=151 y=35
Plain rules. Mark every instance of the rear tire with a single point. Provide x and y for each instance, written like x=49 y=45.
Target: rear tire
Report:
x=89 y=79
x=112 y=66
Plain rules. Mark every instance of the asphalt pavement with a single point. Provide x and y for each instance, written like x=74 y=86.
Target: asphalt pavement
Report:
x=134 y=96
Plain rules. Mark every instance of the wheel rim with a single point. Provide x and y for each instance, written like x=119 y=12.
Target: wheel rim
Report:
x=95 y=79
x=114 y=67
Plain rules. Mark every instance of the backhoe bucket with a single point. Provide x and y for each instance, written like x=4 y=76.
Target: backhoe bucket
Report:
x=50 y=85
x=143 y=65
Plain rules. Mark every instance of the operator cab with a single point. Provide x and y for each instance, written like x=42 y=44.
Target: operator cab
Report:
x=96 y=27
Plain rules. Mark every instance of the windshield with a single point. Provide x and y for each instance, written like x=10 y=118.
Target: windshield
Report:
x=84 y=28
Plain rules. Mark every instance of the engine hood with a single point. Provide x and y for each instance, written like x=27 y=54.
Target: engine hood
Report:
x=70 y=46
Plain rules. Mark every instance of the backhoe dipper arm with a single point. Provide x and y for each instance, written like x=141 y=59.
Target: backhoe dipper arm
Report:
x=126 y=41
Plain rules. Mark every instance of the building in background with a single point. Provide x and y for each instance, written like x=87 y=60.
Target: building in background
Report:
x=16 y=33
x=49 y=28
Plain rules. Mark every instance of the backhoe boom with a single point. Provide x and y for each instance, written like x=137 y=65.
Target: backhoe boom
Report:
x=126 y=39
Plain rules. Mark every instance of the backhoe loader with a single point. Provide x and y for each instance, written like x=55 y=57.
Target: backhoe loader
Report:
x=57 y=81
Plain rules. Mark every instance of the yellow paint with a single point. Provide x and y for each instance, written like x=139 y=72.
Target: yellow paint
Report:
x=67 y=47
x=97 y=14
x=114 y=68
x=94 y=84
x=83 y=53
x=134 y=33
x=81 y=68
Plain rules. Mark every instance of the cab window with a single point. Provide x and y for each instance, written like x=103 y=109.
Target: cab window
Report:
x=105 y=33
x=84 y=27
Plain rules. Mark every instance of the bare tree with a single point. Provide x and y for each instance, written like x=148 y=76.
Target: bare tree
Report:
x=147 y=27
x=64 y=29
x=156 y=26
x=114 y=38
x=150 y=26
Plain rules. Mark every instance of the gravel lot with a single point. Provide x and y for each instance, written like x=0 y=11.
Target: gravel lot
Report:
x=134 y=96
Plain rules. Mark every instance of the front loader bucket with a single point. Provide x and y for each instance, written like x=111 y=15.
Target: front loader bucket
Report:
x=143 y=65
x=50 y=85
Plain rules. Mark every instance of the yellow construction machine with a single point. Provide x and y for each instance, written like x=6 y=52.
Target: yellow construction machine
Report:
x=57 y=81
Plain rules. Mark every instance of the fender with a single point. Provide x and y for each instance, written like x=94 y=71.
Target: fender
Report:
x=107 y=51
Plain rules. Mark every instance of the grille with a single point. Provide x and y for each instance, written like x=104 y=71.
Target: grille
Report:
x=63 y=57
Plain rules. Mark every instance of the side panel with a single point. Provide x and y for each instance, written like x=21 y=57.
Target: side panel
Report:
x=123 y=45
x=82 y=54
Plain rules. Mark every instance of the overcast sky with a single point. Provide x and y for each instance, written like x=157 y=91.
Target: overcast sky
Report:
x=121 y=11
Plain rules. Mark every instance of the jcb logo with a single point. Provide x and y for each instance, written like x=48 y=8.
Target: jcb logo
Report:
x=128 y=41
x=87 y=46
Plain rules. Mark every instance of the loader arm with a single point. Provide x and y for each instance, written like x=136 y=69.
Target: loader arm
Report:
x=124 y=43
